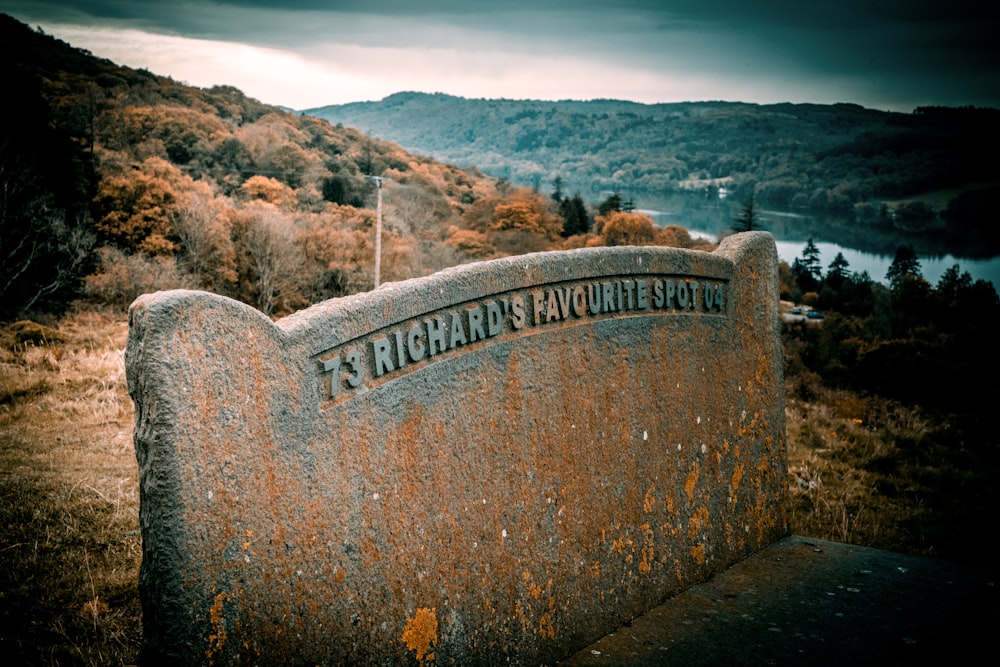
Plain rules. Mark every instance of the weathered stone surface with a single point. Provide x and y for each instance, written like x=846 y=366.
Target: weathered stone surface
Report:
x=498 y=463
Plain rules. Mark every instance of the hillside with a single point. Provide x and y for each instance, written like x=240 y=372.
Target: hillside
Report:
x=120 y=182
x=832 y=158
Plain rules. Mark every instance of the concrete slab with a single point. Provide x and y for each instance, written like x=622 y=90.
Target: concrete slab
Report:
x=807 y=601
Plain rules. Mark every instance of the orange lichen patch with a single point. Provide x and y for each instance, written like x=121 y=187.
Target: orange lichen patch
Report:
x=618 y=545
x=734 y=483
x=420 y=633
x=596 y=569
x=523 y=615
x=648 y=501
x=217 y=637
x=534 y=590
x=647 y=556
x=545 y=627
x=698 y=553
x=690 y=482
x=697 y=523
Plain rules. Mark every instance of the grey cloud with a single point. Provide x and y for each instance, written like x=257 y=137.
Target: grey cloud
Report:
x=943 y=50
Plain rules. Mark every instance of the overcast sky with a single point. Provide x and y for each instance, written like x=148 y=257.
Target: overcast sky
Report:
x=883 y=54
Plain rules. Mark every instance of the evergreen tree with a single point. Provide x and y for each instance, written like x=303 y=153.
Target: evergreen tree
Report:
x=557 y=186
x=904 y=264
x=610 y=205
x=953 y=284
x=746 y=221
x=810 y=258
x=807 y=269
x=837 y=271
x=576 y=219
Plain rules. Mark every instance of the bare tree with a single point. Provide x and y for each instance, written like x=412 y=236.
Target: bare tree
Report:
x=41 y=256
x=272 y=259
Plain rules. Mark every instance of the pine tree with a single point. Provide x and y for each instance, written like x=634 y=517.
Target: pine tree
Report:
x=576 y=219
x=811 y=261
x=904 y=264
x=746 y=221
x=807 y=269
x=837 y=271
x=557 y=187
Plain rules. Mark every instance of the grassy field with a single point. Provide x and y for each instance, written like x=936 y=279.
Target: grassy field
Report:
x=69 y=531
x=861 y=470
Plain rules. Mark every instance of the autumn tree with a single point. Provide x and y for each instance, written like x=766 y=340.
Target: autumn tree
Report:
x=289 y=163
x=469 y=242
x=674 y=236
x=516 y=221
x=624 y=228
x=270 y=190
x=416 y=211
x=134 y=209
x=206 y=249
x=183 y=133
x=337 y=252
x=479 y=214
x=122 y=277
x=516 y=215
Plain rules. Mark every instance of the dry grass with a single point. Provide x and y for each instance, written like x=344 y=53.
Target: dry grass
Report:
x=69 y=530
x=877 y=473
x=864 y=471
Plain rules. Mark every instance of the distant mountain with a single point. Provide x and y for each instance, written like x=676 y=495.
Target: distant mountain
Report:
x=821 y=157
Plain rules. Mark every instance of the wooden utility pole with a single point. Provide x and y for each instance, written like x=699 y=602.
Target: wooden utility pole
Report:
x=378 y=230
x=378 y=227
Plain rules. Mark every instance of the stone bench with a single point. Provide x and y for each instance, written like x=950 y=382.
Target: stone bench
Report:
x=501 y=462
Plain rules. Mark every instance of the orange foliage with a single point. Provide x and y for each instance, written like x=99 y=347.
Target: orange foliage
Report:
x=135 y=208
x=581 y=241
x=479 y=214
x=183 y=132
x=624 y=228
x=269 y=190
x=516 y=215
x=527 y=211
x=338 y=256
x=469 y=242
x=206 y=247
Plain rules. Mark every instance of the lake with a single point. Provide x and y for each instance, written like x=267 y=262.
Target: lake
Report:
x=864 y=249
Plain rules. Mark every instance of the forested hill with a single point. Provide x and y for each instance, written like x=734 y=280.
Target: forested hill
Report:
x=822 y=157
x=117 y=182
